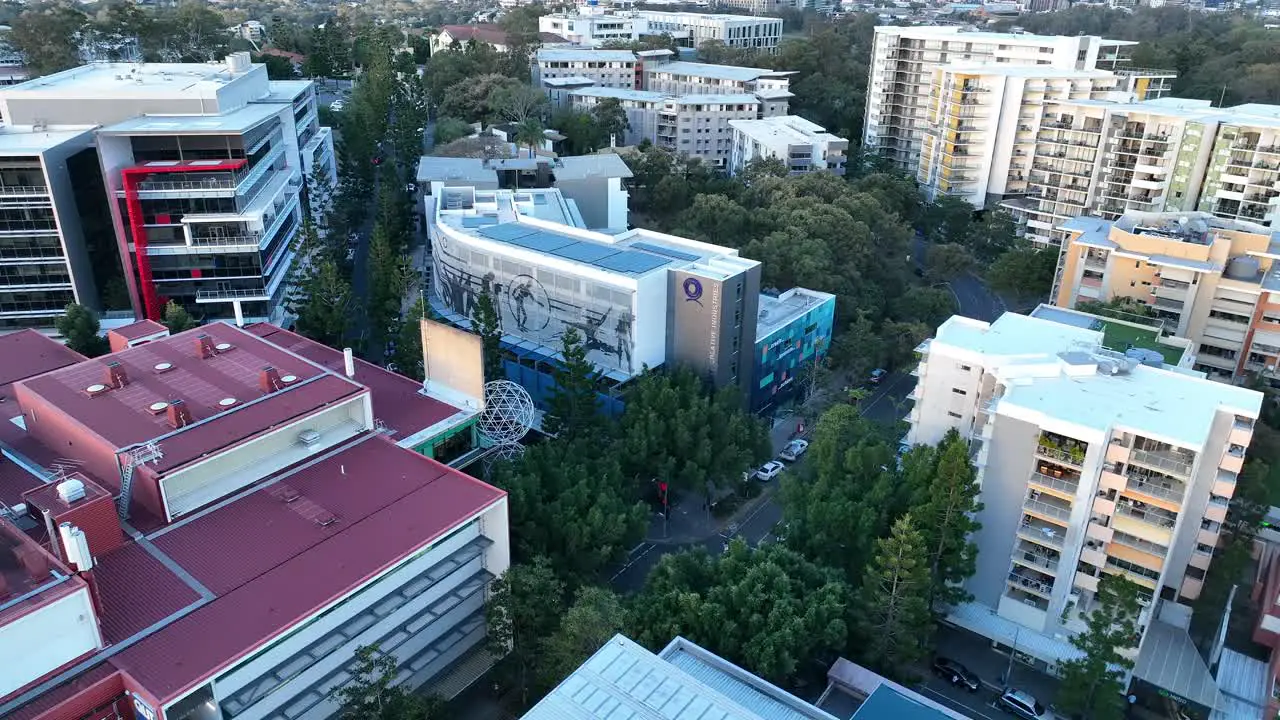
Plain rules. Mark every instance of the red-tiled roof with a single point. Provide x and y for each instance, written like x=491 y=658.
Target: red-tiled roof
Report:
x=271 y=565
x=14 y=480
x=122 y=418
x=140 y=329
x=65 y=692
x=137 y=590
x=27 y=353
x=397 y=401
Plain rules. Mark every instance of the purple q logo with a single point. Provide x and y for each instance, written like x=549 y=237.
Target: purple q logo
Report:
x=692 y=290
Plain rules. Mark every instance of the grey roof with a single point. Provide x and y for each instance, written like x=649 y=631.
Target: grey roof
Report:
x=623 y=681
x=566 y=81
x=584 y=167
x=614 y=258
x=569 y=54
x=719 y=72
x=1244 y=679
x=1169 y=660
x=621 y=94
x=455 y=169
x=236 y=121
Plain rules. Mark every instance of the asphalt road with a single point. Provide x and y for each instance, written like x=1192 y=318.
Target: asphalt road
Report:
x=757 y=527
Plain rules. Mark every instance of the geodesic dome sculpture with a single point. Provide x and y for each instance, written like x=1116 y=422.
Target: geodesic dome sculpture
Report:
x=508 y=413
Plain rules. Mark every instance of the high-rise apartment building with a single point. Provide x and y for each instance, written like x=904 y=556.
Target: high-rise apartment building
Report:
x=187 y=176
x=1090 y=462
x=1207 y=279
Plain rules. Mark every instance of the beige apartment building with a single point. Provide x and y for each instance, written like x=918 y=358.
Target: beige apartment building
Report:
x=1210 y=280
x=1090 y=462
x=903 y=61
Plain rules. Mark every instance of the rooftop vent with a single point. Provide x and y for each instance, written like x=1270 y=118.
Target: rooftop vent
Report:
x=96 y=389
x=227 y=403
x=289 y=379
x=163 y=367
x=156 y=408
x=179 y=414
x=70 y=491
x=204 y=346
x=308 y=437
x=269 y=379
x=223 y=347
x=115 y=375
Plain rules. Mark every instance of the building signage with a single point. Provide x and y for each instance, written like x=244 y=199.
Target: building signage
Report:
x=713 y=348
x=693 y=290
x=143 y=710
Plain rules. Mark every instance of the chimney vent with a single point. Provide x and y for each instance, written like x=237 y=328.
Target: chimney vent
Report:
x=70 y=491
x=349 y=362
x=115 y=375
x=269 y=379
x=178 y=414
x=204 y=346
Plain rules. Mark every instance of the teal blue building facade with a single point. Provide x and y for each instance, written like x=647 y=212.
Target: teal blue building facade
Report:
x=792 y=329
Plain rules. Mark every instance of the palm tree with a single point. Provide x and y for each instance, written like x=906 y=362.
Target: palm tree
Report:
x=529 y=132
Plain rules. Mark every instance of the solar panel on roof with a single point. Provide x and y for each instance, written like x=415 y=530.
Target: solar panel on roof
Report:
x=669 y=252
x=586 y=252
x=506 y=232
x=632 y=261
x=478 y=222
x=542 y=241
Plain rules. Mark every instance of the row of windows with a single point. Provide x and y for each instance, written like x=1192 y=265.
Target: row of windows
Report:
x=35 y=301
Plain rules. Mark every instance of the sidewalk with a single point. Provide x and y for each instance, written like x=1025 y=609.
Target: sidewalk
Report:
x=975 y=652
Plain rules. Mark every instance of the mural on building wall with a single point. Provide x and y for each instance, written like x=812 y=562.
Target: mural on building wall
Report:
x=536 y=304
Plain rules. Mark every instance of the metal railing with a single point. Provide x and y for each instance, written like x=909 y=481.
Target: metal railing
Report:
x=1037 y=559
x=1065 y=485
x=1030 y=584
x=24 y=190
x=1147 y=515
x=1056 y=454
x=225 y=240
x=1044 y=508
x=1138 y=543
x=1144 y=484
x=1167 y=462
x=232 y=294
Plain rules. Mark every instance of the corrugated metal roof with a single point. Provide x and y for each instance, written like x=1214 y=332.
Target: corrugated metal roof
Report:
x=623 y=681
x=885 y=704
x=1168 y=659
x=1243 y=679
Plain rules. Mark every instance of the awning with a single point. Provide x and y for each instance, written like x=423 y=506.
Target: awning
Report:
x=1169 y=660
x=984 y=621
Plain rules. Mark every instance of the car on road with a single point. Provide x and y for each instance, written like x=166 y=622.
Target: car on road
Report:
x=1021 y=704
x=956 y=674
x=877 y=375
x=794 y=450
x=769 y=470
x=337 y=105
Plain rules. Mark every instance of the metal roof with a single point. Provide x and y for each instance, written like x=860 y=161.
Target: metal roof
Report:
x=886 y=704
x=615 y=258
x=1169 y=660
x=623 y=681
x=708 y=70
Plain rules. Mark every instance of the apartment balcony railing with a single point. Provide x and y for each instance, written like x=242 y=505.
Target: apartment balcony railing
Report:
x=1042 y=533
x=1066 y=485
x=1040 y=559
x=1151 y=516
x=1168 y=462
x=1138 y=543
x=1163 y=489
x=1059 y=455
x=23 y=190
x=1041 y=507
x=231 y=294
x=1031 y=584
x=1095 y=263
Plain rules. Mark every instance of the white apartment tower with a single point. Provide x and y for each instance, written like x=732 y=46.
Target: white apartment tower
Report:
x=1089 y=462
x=903 y=61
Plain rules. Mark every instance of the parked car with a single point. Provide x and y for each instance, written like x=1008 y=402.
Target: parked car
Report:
x=955 y=673
x=337 y=106
x=794 y=450
x=769 y=470
x=1022 y=704
x=877 y=375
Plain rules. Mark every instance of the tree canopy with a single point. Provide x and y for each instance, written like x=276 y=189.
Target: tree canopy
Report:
x=79 y=328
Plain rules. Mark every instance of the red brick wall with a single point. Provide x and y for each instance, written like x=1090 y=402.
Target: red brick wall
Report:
x=98 y=519
x=66 y=437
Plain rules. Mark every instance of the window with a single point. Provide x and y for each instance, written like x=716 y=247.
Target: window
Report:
x=1195 y=572
x=958 y=391
x=954 y=415
x=965 y=368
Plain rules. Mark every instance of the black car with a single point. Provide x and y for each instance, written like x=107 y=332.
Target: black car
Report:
x=956 y=674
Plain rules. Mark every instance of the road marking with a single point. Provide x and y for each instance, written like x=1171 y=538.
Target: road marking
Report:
x=952 y=701
x=627 y=567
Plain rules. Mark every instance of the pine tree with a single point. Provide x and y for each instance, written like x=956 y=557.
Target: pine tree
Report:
x=387 y=275
x=486 y=323
x=177 y=319
x=322 y=304
x=1093 y=685
x=947 y=524
x=373 y=695
x=573 y=406
x=408 y=355
x=894 y=621
x=80 y=328
x=524 y=606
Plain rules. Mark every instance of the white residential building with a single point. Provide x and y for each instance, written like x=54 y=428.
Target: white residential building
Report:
x=801 y=145
x=202 y=165
x=741 y=31
x=903 y=61
x=1089 y=462
x=689 y=78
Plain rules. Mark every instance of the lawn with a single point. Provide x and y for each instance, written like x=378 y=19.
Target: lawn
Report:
x=1120 y=337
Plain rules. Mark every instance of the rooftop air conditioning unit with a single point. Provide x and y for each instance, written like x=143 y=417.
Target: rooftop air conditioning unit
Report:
x=308 y=437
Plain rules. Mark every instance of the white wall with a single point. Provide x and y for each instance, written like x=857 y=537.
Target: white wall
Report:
x=46 y=639
x=650 y=311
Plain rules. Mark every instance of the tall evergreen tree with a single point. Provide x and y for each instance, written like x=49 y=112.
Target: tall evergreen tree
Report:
x=596 y=615
x=573 y=406
x=373 y=695
x=486 y=323
x=387 y=280
x=893 y=620
x=79 y=326
x=947 y=524
x=1093 y=685
x=322 y=304
x=408 y=355
x=176 y=318
x=523 y=609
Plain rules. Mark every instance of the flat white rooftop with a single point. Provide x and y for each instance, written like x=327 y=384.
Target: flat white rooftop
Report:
x=1060 y=373
x=236 y=121
x=789 y=129
x=25 y=141
x=586 y=54
x=971 y=35
x=129 y=80
x=775 y=313
x=706 y=17
x=708 y=70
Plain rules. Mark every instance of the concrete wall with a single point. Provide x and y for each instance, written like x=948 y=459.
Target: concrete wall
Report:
x=1004 y=487
x=50 y=637
x=61 y=190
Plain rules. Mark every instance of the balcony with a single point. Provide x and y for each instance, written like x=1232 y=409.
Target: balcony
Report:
x=214 y=295
x=1055 y=482
x=1036 y=557
x=1164 y=492
x=1061 y=449
x=1035 y=530
x=1032 y=583
x=1225 y=483
x=1048 y=508
x=1156 y=551
x=1144 y=521
x=1216 y=509
x=1097 y=529
x=23 y=190
x=1093 y=262
x=1171 y=463
x=1241 y=432
x=1233 y=459
x=1138 y=578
